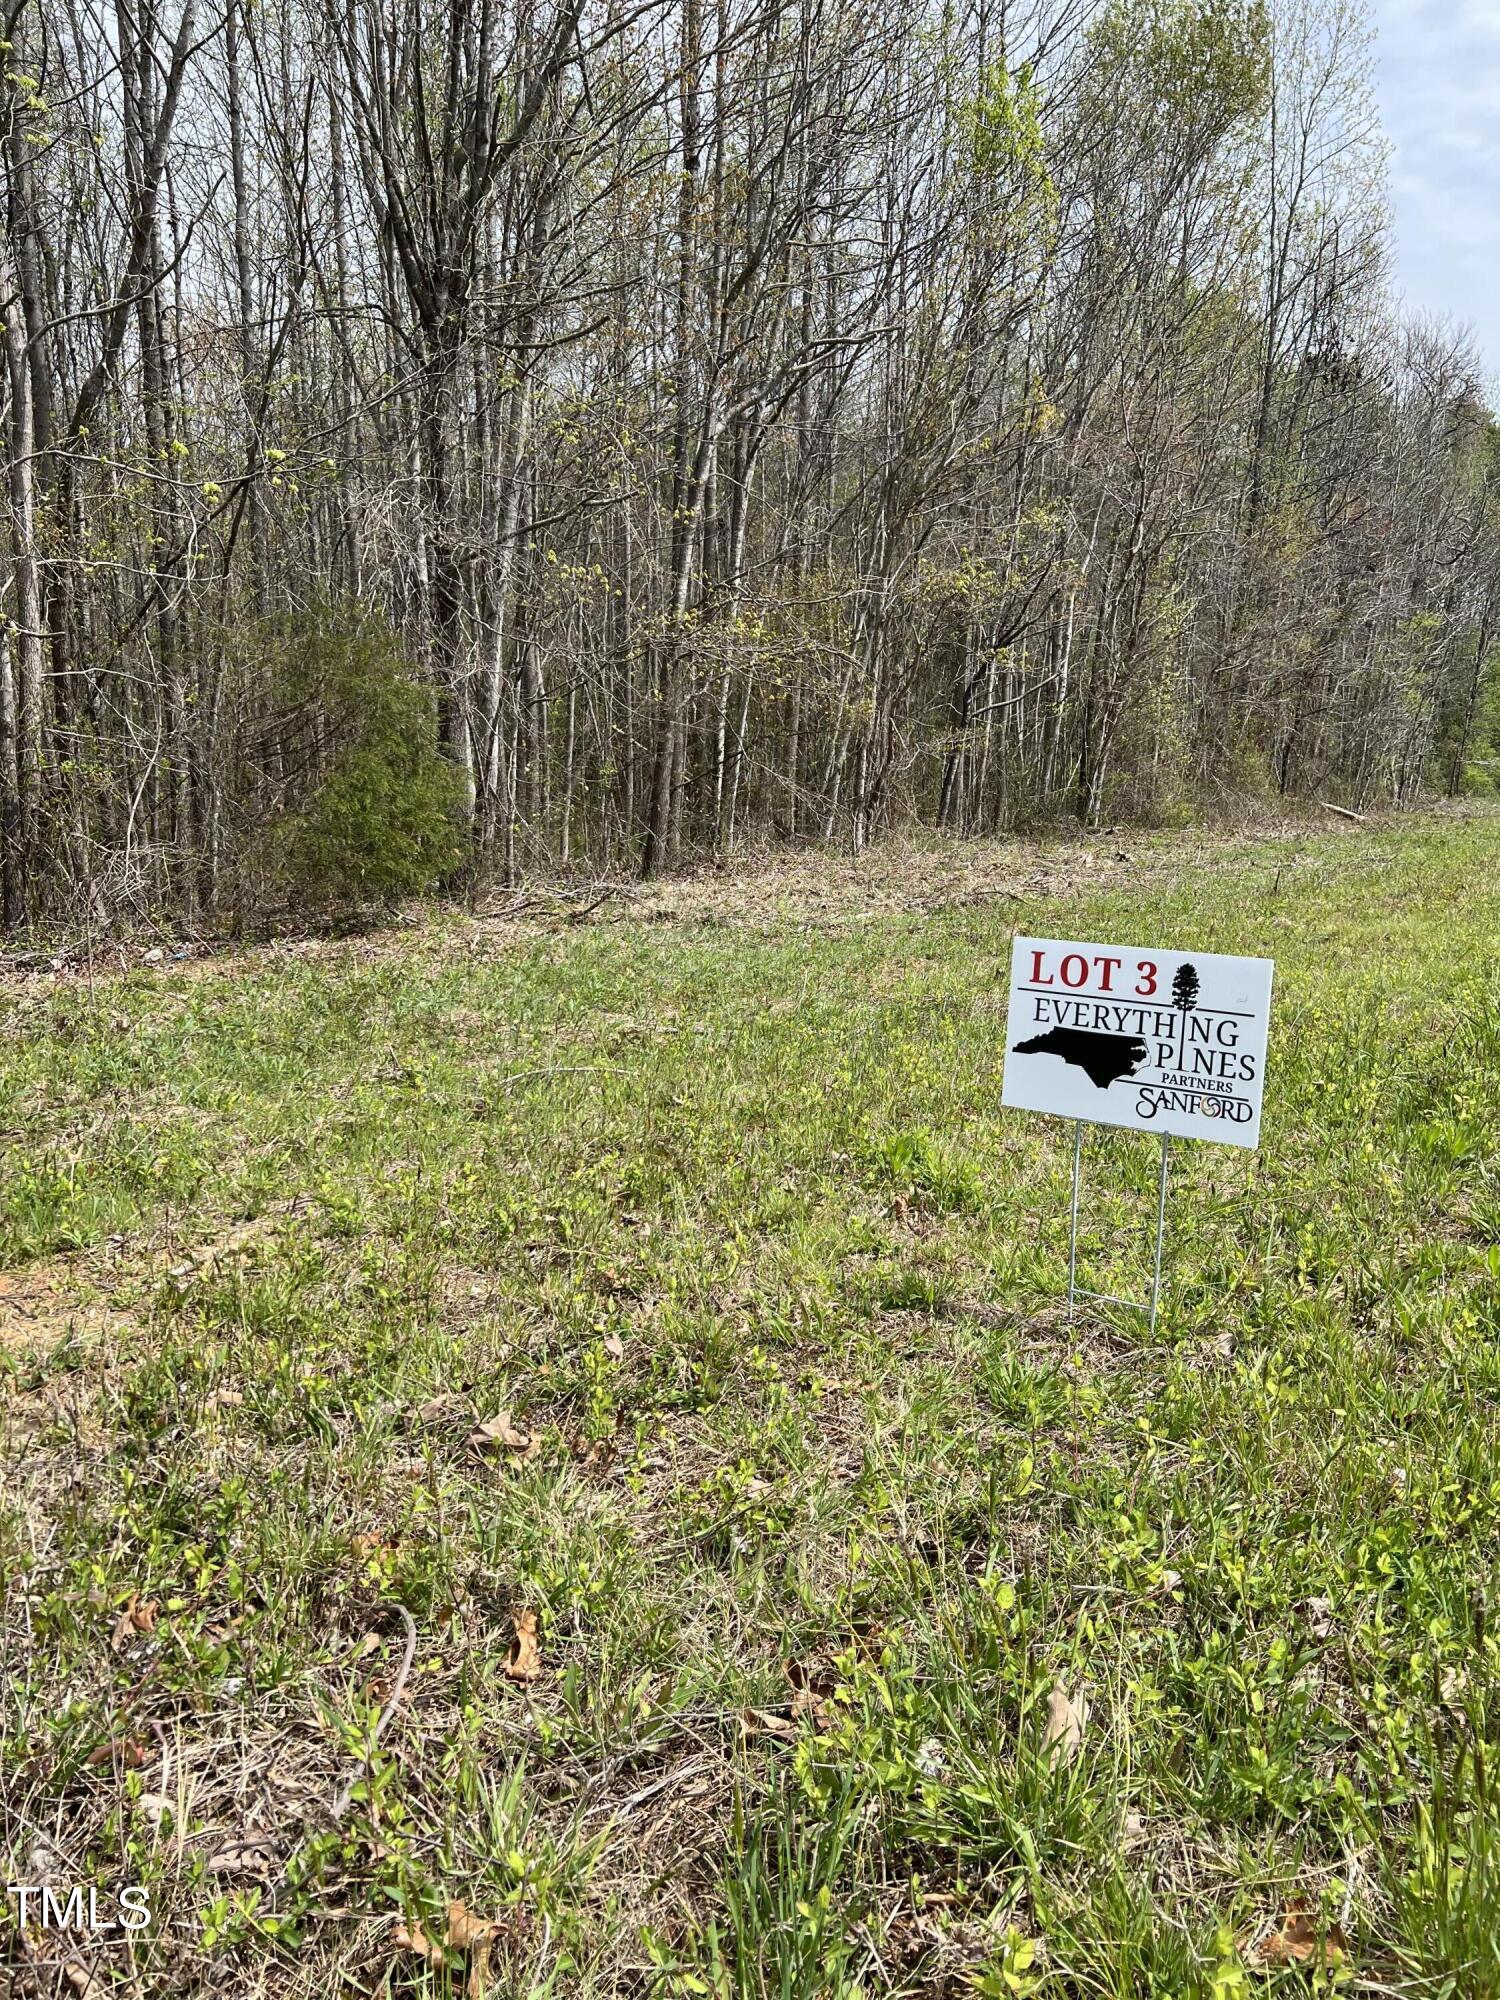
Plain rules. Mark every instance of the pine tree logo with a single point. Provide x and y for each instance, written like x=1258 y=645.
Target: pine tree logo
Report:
x=1184 y=999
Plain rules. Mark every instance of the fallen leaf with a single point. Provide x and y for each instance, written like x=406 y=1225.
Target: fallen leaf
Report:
x=154 y=1807
x=79 y=1977
x=1319 y=1616
x=137 y=1618
x=764 y=1722
x=812 y=1694
x=44 y=1860
x=499 y=1431
x=439 y=1409
x=1062 y=1737
x=412 y=1937
x=223 y=1399
x=1301 y=1938
x=126 y=1753
x=525 y=1662
x=614 y=1347
x=255 y=1855
x=465 y=1929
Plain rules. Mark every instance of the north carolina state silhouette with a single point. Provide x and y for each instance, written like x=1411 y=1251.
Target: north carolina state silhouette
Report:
x=1104 y=1059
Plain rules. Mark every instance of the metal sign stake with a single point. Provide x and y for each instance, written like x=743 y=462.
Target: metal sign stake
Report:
x=1077 y=1291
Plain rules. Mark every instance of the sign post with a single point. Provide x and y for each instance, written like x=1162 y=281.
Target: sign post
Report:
x=1170 y=1043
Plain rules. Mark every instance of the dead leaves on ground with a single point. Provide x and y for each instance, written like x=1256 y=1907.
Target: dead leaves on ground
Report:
x=1301 y=1937
x=498 y=1436
x=1062 y=1734
x=253 y=1857
x=812 y=1700
x=525 y=1661
x=465 y=1930
x=443 y=1410
x=501 y=1438
x=466 y=1938
x=411 y=1937
x=137 y=1620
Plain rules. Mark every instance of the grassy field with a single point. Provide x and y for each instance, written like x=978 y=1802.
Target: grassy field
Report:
x=544 y=1458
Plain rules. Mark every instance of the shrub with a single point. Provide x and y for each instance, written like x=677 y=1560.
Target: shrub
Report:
x=345 y=796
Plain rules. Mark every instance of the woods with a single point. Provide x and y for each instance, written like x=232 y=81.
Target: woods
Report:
x=506 y=434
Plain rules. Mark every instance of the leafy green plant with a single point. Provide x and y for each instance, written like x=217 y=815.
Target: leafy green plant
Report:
x=353 y=802
x=916 y=1164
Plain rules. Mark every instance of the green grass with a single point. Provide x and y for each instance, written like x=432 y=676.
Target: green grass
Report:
x=825 y=1496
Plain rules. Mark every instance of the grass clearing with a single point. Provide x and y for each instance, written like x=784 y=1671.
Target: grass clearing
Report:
x=676 y=1296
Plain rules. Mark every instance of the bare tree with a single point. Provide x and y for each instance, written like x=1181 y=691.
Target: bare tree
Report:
x=749 y=420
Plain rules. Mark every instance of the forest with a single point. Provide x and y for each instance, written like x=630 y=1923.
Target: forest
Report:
x=452 y=439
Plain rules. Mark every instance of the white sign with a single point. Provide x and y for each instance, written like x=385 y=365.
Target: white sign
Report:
x=1156 y=1040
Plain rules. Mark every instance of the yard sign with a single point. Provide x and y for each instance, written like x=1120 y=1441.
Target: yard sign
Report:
x=1171 y=1043
x=1166 y=1042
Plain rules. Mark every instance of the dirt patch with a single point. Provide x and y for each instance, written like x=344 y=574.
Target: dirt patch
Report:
x=45 y=1303
x=92 y=1295
x=236 y=1244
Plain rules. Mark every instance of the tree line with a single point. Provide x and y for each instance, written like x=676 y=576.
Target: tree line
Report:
x=451 y=437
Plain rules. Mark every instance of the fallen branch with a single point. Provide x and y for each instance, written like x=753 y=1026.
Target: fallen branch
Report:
x=604 y=895
x=510 y=909
x=1342 y=811
x=398 y=1688
x=549 y=904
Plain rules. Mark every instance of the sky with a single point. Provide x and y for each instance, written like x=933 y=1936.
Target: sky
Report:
x=1437 y=75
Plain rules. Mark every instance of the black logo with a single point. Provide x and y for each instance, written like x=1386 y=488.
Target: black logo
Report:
x=1104 y=1059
